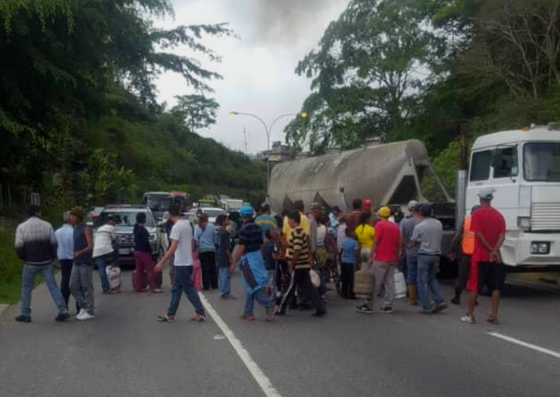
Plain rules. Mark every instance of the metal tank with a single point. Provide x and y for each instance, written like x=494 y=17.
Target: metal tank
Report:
x=384 y=173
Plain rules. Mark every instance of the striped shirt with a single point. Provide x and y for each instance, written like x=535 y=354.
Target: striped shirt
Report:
x=299 y=242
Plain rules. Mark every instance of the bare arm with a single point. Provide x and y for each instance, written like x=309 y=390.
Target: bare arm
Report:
x=167 y=256
x=484 y=242
x=238 y=252
x=89 y=240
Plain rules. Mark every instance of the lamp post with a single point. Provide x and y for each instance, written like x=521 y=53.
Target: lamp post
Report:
x=268 y=130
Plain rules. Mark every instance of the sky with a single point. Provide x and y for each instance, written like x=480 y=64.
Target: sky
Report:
x=258 y=67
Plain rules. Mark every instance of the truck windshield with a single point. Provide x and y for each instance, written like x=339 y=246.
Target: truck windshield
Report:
x=124 y=218
x=542 y=162
x=159 y=202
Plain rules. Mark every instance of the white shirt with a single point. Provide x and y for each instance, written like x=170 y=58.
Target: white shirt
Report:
x=65 y=239
x=103 y=241
x=321 y=235
x=182 y=232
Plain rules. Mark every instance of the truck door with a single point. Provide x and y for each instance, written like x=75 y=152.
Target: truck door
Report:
x=505 y=179
x=479 y=175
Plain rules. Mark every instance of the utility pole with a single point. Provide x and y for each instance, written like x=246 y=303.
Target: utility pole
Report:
x=245 y=140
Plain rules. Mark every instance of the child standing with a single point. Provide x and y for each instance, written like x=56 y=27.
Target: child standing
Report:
x=349 y=256
x=223 y=252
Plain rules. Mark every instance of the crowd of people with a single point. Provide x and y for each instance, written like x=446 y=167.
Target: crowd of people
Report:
x=286 y=260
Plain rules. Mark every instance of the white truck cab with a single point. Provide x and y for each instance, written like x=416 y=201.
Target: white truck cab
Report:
x=523 y=166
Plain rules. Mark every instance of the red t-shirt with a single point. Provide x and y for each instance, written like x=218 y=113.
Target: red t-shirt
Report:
x=491 y=224
x=387 y=235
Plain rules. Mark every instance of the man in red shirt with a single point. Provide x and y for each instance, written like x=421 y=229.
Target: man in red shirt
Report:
x=489 y=228
x=385 y=253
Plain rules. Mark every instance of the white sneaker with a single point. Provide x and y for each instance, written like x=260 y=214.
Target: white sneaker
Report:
x=81 y=314
x=468 y=319
x=86 y=316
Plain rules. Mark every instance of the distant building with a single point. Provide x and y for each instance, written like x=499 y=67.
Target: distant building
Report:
x=278 y=154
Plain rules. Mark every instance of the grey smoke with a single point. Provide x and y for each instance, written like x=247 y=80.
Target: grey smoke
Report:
x=281 y=21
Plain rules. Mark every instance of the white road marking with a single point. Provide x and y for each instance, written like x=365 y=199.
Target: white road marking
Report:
x=252 y=366
x=525 y=344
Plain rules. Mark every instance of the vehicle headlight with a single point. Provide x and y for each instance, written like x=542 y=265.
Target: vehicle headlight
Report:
x=153 y=237
x=524 y=222
x=534 y=248
x=540 y=248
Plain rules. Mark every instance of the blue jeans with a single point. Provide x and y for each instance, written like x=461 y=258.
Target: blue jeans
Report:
x=224 y=278
x=182 y=282
x=428 y=268
x=260 y=297
x=411 y=269
x=102 y=262
x=28 y=282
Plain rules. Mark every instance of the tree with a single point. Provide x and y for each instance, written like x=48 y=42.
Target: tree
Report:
x=367 y=73
x=197 y=111
x=62 y=59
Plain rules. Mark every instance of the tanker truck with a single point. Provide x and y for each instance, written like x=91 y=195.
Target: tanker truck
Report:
x=387 y=174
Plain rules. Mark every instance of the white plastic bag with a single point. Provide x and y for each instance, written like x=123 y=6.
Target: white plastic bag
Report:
x=400 y=285
x=315 y=278
x=115 y=277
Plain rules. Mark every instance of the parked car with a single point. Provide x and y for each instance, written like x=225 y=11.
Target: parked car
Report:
x=212 y=212
x=126 y=218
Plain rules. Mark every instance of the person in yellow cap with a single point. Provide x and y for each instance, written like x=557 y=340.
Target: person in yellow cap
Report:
x=384 y=255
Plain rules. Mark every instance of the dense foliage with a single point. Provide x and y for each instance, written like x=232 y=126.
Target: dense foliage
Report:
x=79 y=120
x=433 y=70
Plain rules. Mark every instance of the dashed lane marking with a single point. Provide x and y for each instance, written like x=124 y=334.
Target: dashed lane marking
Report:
x=254 y=369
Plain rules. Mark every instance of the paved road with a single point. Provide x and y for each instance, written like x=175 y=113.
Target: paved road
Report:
x=124 y=352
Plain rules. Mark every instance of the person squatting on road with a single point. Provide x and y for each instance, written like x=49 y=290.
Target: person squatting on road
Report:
x=205 y=236
x=103 y=247
x=248 y=255
x=65 y=253
x=487 y=268
x=299 y=257
x=384 y=256
x=182 y=247
x=427 y=236
x=81 y=283
x=36 y=246
x=223 y=256
x=463 y=244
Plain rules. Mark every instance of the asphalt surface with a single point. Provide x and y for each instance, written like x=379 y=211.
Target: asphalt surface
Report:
x=125 y=352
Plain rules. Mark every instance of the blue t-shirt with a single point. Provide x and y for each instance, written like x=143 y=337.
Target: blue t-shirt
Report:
x=349 y=247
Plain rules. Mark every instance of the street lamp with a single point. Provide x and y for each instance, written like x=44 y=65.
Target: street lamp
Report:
x=268 y=130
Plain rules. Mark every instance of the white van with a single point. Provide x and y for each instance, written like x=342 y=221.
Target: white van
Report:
x=524 y=168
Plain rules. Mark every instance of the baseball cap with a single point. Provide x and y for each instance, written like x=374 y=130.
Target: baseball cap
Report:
x=384 y=212
x=425 y=209
x=412 y=204
x=366 y=202
x=486 y=193
x=246 y=211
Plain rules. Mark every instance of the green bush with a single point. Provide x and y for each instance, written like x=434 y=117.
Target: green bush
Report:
x=10 y=264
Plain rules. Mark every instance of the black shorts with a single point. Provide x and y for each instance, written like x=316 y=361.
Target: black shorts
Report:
x=492 y=275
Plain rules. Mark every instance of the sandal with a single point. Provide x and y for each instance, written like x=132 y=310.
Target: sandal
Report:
x=492 y=320
x=157 y=291
x=198 y=318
